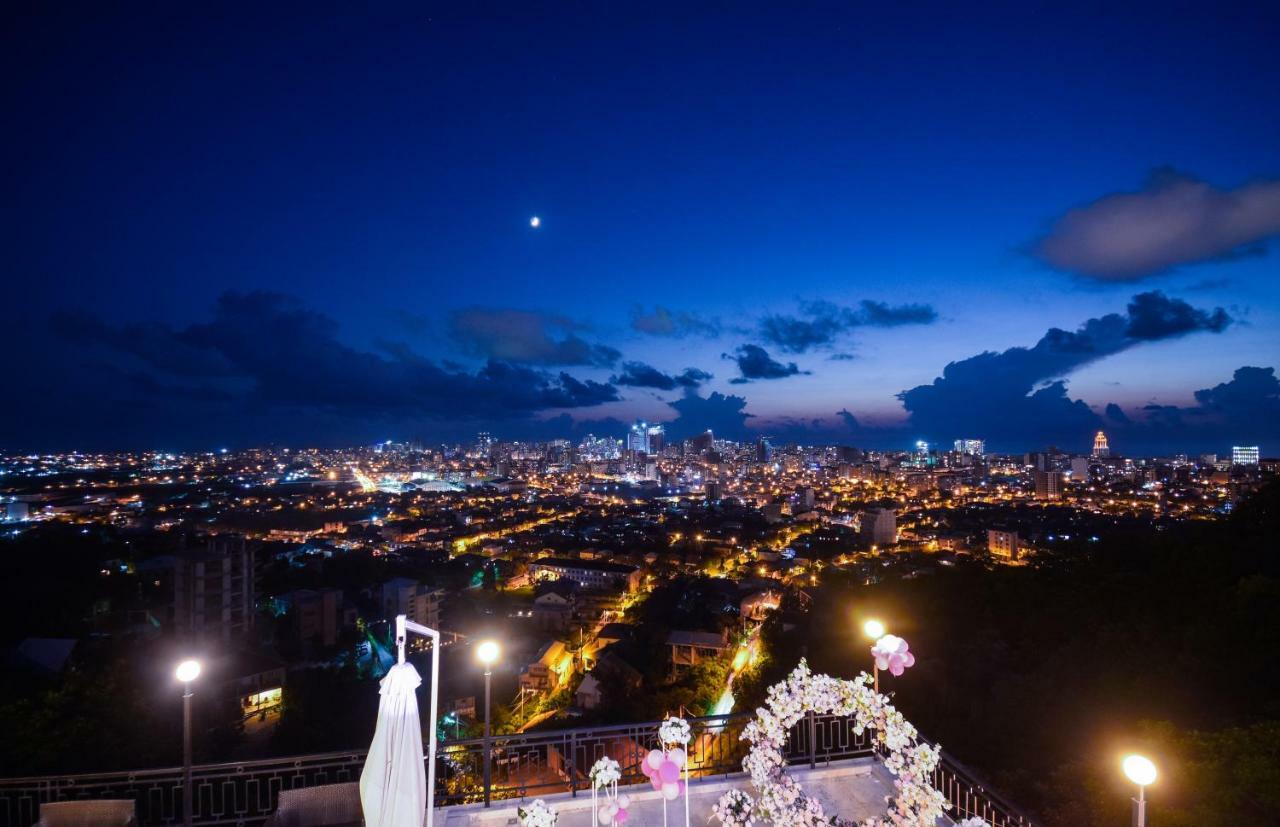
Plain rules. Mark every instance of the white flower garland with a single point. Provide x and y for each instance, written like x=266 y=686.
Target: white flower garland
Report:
x=782 y=802
x=538 y=814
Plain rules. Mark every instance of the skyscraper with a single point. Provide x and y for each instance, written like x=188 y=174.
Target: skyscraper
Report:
x=972 y=447
x=1245 y=455
x=644 y=438
x=1101 y=450
x=764 y=449
x=1048 y=485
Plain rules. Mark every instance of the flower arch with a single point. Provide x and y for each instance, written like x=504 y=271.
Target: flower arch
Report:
x=781 y=800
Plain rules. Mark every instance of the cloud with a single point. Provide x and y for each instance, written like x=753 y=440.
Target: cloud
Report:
x=820 y=323
x=641 y=375
x=724 y=415
x=1018 y=398
x=1242 y=411
x=1174 y=219
x=1154 y=316
x=672 y=324
x=754 y=362
x=266 y=352
x=526 y=337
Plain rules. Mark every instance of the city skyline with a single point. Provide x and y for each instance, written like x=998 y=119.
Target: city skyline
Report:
x=831 y=229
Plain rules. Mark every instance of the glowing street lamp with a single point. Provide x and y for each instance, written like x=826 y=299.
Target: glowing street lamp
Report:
x=487 y=653
x=186 y=673
x=1141 y=771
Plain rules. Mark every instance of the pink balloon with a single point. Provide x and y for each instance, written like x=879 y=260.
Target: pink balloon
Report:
x=669 y=772
x=621 y=816
x=909 y=659
x=654 y=759
x=896 y=668
x=656 y=782
x=681 y=785
x=902 y=647
x=671 y=791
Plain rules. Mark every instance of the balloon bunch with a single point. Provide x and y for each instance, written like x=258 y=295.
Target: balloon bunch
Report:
x=891 y=653
x=614 y=811
x=663 y=771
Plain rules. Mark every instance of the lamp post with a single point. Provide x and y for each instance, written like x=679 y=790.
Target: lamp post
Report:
x=1141 y=771
x=187 y=672
x=874 y=629
x=487 y=652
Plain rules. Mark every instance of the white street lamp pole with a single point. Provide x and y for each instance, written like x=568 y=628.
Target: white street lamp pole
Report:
x=1142 y=772
x=187 y=672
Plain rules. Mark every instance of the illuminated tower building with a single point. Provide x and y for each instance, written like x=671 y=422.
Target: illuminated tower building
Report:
x=1245 y=455
x=1101 y=450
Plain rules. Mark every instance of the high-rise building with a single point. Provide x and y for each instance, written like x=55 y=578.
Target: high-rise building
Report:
x=972 y=447
x=1101 y=450
x=213 y=590
x=878 y=526
x=1245 y=455
x=1048 y=485
x=1079 y=469
x=417 y=602
x=1003 y=544
x=764 y=449
x=644 y=438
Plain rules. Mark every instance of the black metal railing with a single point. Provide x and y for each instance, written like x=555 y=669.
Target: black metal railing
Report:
x=527 y=764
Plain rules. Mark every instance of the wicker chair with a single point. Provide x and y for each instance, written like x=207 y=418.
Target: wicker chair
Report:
x=330 y=805
x=106 y=812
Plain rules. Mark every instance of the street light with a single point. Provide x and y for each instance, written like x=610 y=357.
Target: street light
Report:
x=186 y=672
x=487 y=653
x=1141 y=771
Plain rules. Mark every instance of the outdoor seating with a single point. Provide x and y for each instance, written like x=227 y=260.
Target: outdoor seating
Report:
x=330 y=805
x=89 y=813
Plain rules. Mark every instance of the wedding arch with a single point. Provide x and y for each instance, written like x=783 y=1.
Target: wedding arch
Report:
x=781 y=801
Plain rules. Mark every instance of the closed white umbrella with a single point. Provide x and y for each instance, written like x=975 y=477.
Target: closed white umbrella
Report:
x=393 y=785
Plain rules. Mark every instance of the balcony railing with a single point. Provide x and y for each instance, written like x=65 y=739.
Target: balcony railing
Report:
x=528 y=764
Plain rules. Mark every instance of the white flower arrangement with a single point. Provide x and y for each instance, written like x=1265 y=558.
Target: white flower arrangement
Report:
x=973 y=822
x=674 y=731
x=537 y=814
x=781 y=801
x=604 y=772
x=734 y=809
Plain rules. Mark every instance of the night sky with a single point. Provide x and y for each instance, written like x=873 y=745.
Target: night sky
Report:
x=827 y=223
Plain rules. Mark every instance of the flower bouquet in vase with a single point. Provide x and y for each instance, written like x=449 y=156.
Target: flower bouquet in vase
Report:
x=607 y=807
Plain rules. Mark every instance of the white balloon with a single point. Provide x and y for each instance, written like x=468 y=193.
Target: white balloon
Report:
x=624 y=801
x=678 y=757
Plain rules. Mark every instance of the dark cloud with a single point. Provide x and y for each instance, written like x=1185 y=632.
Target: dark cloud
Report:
x=1175 y=219
x=1154 y=315
x=526 y=337
x=1017 y=397
x=1116 y=414
x=754 y=362
x=820 y=323
x=1242 y=411
x=673 y=324
x=264 y=354
x=641 y=375
x=724 y=415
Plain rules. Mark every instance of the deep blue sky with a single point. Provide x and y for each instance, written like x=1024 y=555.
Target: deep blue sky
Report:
x=243 y=225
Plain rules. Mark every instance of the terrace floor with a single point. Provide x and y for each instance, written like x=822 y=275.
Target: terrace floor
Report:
x=854 y=789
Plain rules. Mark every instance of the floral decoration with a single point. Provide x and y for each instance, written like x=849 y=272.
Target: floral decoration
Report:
x=537 y=814
x=674 y=731
x=781 y=801
x=604 y=772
